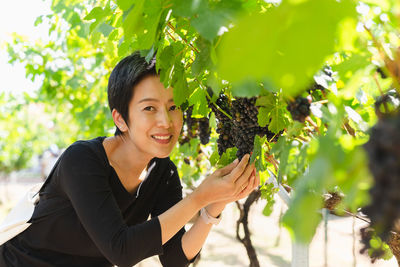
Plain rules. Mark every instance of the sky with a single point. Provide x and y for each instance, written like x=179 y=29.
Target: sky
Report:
x=19 y=16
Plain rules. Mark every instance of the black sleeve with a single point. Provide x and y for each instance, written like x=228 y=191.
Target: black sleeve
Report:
x=84 y=178
x=173 y=255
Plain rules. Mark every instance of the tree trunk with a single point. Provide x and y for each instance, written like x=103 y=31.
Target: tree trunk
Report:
x=394 y=244
x=243 y=220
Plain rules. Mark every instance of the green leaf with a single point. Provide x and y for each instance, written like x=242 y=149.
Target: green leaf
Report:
x=258 y=153
x=294 y=129
x=146 y=36
x=96 y=13
x=165 y=59
x=214 y=157
x=105 y=29
x=202 y=60
x=209 y=22
x=187 y=8
x=38 y=20
x=124 y=4
x=181 y=89
x=134 y=20
x=246 y=88
x=199 y=102
x=267 y=192
x=278 y=119
x=286 y=45
x=351 y=64
x=228 y=156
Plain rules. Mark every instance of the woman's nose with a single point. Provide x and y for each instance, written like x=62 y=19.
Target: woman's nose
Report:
x=164 y=119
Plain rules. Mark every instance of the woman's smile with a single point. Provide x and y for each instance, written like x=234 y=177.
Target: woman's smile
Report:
x=162 y=138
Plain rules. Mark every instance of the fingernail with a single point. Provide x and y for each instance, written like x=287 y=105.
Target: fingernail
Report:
x=236 y=161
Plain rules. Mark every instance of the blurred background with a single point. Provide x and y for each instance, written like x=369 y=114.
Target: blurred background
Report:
x=54 y=66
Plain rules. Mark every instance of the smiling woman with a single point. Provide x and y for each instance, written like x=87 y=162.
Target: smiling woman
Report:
x=95 y=209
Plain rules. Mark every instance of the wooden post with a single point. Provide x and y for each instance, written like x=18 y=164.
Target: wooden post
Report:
x=299 y=250
x=299 y=255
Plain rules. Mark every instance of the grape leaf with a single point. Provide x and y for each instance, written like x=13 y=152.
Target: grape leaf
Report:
x=257 y=155
x=124 y=4
x=228 y=156
x=285 y=45
x=278 y=120
x=134 y=19
x=181 y=89
x=199 y=102
x=246 y=88
x=96 y=13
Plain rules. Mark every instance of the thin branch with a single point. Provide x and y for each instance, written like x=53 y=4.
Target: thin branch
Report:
x=381 y=92
x=356 y=216
x=308 y=119
x=348 y=128
x=321 y=101
x=301 y=138
x=376 y=42
x=170 y=35
x=183 y=39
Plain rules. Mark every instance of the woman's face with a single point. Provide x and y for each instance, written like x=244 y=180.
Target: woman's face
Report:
x=154 y=121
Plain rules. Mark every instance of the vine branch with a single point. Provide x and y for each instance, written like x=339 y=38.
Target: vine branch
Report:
x=183 y=39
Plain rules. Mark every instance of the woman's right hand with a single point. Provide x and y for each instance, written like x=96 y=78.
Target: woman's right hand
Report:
x=225 y=183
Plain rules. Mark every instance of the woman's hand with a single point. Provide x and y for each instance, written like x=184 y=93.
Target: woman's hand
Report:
x=227 y=184
x=214 y=209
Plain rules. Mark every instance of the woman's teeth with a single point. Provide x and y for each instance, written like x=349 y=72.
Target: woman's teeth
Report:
x=161 y=137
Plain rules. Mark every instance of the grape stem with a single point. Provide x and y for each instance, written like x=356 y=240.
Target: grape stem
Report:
x=356 y=216
x=209 y=98
x=348 y=128
x=308 y=118
x=376 y=42
x=272 y=160
x=321 y=102
x=301 y=138
x=381 y=92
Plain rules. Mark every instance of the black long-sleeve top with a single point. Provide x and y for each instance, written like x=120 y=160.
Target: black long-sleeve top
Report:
x=85 y=217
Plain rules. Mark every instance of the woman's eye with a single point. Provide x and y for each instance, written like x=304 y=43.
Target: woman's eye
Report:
x=149 y=108
x=173 y=107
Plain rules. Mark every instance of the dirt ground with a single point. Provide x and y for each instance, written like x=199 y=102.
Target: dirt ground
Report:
x=273 y=243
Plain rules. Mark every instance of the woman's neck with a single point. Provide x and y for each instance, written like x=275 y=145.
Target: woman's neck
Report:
x=123 y=155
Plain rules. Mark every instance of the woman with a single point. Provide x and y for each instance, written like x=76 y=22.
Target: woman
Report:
x=94 y=211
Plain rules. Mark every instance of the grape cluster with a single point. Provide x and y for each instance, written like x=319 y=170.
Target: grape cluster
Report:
x=204 y=130
x=383 y=149
x=191 y=123
x=299 y=108
x=387 y=104
x=224 y=126
x=245 y=125
x=381 y=73
x=241 y=130
x=196 y=127
x=333 y=199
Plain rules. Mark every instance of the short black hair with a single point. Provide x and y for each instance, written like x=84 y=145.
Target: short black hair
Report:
x=126 y=74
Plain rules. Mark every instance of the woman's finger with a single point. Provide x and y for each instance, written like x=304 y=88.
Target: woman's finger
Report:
x=244 y=178
x=257 y=180
x=248 y=189
x=228 y=168
x=239 y=169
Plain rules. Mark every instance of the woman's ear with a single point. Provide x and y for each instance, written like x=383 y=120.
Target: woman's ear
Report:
x=119 y=121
